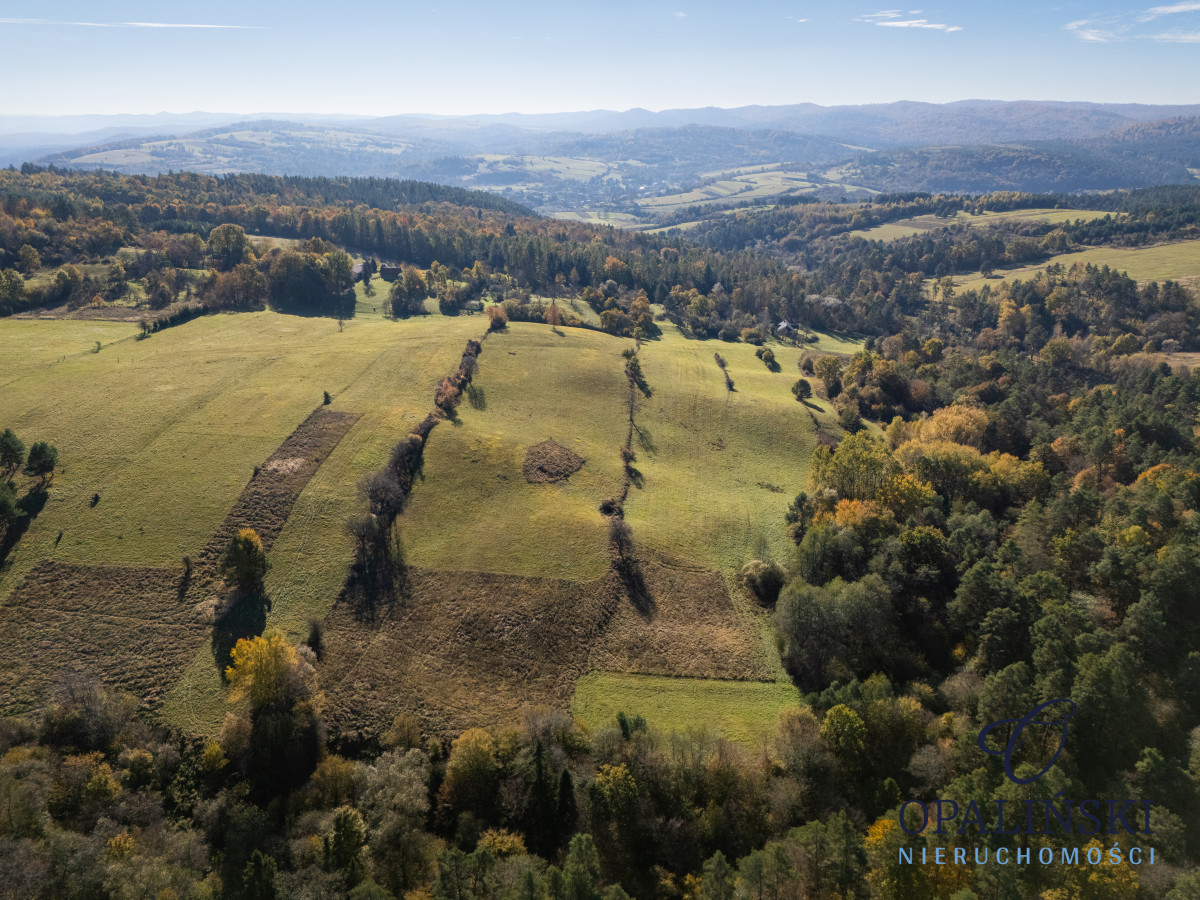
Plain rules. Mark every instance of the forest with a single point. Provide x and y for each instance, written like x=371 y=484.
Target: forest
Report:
x=1011 y=517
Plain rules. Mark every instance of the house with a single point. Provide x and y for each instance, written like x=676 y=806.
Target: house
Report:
x=357 y=271
x=784 y=329
x=389 y=273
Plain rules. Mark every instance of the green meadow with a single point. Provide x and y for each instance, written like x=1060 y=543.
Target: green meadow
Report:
x=473 y=508
x=1175 y=262
x=712 y=459
x=741 y=711
x=903 y=228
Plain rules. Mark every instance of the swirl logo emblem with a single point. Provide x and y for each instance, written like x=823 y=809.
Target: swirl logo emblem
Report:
x=1020 y=735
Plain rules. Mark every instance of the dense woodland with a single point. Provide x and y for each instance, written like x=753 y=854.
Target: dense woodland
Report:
x=1019 y=524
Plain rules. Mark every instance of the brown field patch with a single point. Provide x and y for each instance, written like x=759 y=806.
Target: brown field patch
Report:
x=689 y=628
x=128 y=627
x=468 y=649
x=550 y=461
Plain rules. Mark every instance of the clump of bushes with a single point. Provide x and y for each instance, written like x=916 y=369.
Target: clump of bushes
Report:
x=762 y=579
x=725 y=371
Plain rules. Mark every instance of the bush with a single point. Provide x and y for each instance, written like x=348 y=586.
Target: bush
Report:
x=245 y=561
x=762 y=579
x=849 y=419
x=768 y=358
x=752 y=336
x=497 y=318
x=802 y=390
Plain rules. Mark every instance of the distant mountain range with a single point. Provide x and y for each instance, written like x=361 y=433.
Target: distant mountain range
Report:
x=611 y=159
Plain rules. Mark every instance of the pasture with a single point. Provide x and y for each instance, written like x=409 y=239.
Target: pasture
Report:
x=169 y=431
x=473 y=508
x=741 y=711
x=903 y=228
x=721 y=467
x=1175 y=262
x=748 y=186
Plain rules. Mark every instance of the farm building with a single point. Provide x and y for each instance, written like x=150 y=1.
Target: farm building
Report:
x=784 y=329
x=389 y=273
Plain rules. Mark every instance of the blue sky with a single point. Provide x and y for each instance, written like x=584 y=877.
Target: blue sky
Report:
x=459 y=56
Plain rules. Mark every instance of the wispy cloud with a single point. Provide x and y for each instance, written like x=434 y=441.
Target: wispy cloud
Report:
x=918 y=23
x=891 y=18
x=681 y=15
x=11 y=21
x=1155 y=11
x=1178 y=37
x=1086 y=31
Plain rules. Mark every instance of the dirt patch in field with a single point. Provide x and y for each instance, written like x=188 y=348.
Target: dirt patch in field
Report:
x=550 y=461
x=136 y=629
x=690 y=628
x=131 y=628
x=468 y=649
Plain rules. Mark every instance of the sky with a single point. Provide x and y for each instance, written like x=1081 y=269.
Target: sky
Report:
x=460 y=57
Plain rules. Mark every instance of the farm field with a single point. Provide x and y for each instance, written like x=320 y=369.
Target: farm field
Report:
x=473 y=508
x=891 y=231
x=601 y=217
x=712 y=459
x=742 y=711
x=200 y=406
x=1176 y=262
x=750 y=186
x=203 y=404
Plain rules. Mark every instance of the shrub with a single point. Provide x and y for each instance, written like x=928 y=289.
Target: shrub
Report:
x=497 y=318
x=802 y=389
x=762 y=579
x=447 y=397
x=752 y=336
x=245 y=561
x=849 y=419
x=768 y=357
x=328 y=398
x=316 y=637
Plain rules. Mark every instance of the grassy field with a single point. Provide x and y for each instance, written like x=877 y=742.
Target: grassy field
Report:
x=168 y=431
x=750 y=186
x=578 y=168
x=402 y=361
x=922 y=224
x=721 y=468
x=1176 y=262
x=473 y=508
x=198 y=408
x=742 y=711
x=601 y=217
